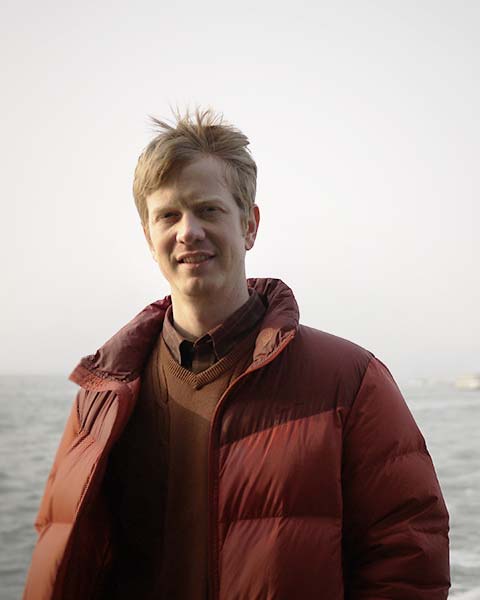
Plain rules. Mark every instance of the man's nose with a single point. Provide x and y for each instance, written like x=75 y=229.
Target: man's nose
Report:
x=190 y=229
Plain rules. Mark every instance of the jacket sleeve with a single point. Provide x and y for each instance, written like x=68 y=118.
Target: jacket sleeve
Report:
x=71 y=430
x=395 y=521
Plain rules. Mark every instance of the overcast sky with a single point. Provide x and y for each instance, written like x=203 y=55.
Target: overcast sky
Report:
x=363 y=119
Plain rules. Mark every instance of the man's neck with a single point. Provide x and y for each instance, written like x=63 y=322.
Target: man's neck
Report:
x=194 y=318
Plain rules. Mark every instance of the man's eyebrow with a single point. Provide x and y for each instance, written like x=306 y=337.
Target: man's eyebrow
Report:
x=194 y=202
x=199 y=201
x=163 y=208
x=208 y=200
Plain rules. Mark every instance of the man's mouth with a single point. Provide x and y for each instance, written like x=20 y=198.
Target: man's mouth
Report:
x=193 y=259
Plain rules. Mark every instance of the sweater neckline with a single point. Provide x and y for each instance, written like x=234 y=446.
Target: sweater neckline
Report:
x=198 y=380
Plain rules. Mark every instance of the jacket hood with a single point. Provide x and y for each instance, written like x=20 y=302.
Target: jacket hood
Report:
x=122 y=358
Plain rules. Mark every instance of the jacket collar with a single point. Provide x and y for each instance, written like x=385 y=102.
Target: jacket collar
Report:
x=122 y=358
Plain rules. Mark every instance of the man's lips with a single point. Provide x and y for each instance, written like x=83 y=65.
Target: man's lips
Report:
x=194 y=258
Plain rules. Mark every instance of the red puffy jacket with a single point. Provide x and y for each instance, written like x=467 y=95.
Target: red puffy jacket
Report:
x=320 y=483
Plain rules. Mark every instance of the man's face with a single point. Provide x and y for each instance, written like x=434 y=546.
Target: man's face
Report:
x=196 y=234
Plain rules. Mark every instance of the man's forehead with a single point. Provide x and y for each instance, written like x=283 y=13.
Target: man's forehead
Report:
x=203 y=178
x=203 y=171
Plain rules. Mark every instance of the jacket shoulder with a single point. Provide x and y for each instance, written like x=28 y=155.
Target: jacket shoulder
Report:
x=331 y=365
x=336 y=352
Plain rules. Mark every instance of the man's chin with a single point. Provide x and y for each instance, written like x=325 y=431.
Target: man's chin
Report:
x=198 y=289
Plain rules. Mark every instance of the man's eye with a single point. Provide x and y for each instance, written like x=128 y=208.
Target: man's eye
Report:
x=167 y=215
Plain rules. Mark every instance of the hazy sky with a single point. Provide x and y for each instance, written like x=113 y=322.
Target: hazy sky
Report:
x=363 y=119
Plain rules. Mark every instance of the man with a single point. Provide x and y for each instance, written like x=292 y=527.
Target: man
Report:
x=218 y=449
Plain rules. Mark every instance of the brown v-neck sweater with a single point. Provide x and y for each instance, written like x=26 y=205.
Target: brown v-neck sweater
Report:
x=191 y=400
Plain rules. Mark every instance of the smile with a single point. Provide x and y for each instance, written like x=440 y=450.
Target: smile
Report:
x=193 y=259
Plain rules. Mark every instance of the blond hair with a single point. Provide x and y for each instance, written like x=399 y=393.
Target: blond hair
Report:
x=202 y=133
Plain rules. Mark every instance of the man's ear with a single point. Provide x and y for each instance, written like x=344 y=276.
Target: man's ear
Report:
x=149 y=240
x=252 y=227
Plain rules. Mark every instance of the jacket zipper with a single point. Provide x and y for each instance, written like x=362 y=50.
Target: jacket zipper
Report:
x=213 y=591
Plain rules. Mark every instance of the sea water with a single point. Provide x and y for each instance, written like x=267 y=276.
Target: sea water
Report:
x=33 y=410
